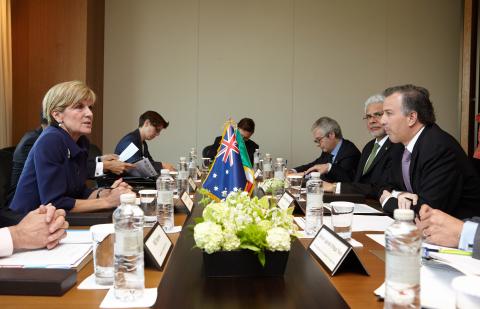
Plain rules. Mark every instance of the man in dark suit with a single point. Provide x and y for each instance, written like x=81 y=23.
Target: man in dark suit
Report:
x=339 y=157
x=375 y=160
x=246 y=126
x=433 y=168
x=441 y=229
x=150 y=124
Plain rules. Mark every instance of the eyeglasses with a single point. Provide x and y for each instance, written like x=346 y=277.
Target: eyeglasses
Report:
x=374 y=115
x=318 y=140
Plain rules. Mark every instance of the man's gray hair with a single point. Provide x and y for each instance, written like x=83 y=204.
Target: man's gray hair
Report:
x=376 y=98
x=327 y=125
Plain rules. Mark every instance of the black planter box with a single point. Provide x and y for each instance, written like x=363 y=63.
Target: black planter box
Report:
x=244 y=263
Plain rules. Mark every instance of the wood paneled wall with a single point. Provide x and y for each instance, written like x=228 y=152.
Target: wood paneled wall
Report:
x=55 y=41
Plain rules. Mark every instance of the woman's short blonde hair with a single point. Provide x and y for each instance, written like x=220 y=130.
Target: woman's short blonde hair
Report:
x=63 y=95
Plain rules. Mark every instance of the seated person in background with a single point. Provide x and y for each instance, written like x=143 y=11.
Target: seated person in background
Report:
x=339 y=157
x=246 y=126
x=375 y=160
x=56 y=167
x=96 y=166
x=432 y=165
x=441 y=229
x=42 y=227
x=150 y=124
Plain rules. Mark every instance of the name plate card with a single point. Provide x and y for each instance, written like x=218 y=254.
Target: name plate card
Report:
x=199 y=173
x=257 y=173
x=192 y=184
x=334 y=253
x=187 y=201
x=286 y=200
x=157 y=246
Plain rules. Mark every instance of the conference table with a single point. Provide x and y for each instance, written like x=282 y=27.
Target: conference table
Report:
x=356 y=289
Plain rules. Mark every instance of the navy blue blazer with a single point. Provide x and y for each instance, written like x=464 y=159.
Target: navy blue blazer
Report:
x=134 y=137
x=55 y=172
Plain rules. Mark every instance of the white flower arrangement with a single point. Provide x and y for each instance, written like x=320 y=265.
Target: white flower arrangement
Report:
x=272 y=184
x=240 y=222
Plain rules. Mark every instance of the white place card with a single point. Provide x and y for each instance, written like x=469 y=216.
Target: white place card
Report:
x=257 y=174
x=285 y=201
x=192 y=184
x=334 y=252
x=157 y=246
x=187 y=201
x=199 y=173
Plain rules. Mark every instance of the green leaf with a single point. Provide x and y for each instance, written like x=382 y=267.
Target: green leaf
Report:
x=261 y=258
x=290 y=210
x=198 y=220
x=250 y=247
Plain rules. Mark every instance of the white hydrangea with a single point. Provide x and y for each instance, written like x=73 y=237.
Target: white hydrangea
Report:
x=278 y=239
x=230 y=240
x=208 y=236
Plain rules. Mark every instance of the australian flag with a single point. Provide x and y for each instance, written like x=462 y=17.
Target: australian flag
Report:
x=227 y=173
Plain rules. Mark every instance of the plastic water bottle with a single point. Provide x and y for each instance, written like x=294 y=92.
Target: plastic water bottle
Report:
x=129 y=278
x=165 y=200
x=182 y=177
x=267 y=168
x=256 y=160
x=192 y=164
x=403 y=259
x=279 y=169
x=314 y=211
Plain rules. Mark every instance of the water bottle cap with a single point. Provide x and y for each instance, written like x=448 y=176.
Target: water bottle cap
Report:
x=315 y=174
x=403 y=214
x=164 y=171
x=267 y=155
x=182 y=159
x=128 y=198
x=279 y=160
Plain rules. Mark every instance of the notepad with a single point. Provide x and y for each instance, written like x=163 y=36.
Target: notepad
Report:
x=62 y=256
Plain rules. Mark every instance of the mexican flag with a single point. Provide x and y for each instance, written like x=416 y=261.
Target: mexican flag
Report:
x=247 y=165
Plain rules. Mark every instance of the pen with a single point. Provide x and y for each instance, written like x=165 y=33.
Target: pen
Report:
x=449 y=251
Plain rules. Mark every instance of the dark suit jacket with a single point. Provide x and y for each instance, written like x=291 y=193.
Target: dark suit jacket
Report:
x=376 y=176
x=344 y=167
x=441 y=175
x=21 y=153
x=211 y=150
x=134 y=137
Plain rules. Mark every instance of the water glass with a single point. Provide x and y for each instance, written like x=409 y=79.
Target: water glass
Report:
x=342 y=217
x=295 y=185
x=103 y=236
x=148 y=203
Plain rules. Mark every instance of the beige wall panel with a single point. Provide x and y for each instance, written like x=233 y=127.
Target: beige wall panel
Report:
x=283 y=63
x=339 y=62
x=150 y=64
x=245 y=70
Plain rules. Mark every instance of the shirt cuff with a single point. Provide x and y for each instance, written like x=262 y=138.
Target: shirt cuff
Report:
x=468 y=235
x=99 y=169
x=386 y=200
x=396 y=193
x=329 y=167
x=337 y=188
x=6 y=243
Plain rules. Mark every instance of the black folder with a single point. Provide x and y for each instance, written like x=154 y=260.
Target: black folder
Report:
x=44 y=282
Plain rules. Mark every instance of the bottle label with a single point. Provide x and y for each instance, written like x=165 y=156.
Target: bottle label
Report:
x=165 y=197
x=183 y=174
x=403 y=268
x=314 y=199
x=279 y=175
x=267 y=167
x=128 y=242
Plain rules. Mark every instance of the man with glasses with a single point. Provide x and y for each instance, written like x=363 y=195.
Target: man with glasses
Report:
x=339 y=157
x=432 y=169
x=150 y=124
x=375 y=160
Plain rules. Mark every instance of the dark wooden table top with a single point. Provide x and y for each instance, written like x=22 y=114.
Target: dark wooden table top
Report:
x=355 y=289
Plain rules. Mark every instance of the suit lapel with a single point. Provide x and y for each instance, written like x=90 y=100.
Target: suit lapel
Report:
x=414 y=157
x=380 y=154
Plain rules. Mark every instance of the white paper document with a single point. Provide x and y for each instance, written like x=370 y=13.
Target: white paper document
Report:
x=435 y=289
x=143 y=168
x=378 y=238
x=77 y=237
x=465 y=264
x=128 y=152
x=360 y=223
x=62 y=256
x=358 y=209
x=149 y=298
x=90 y=284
